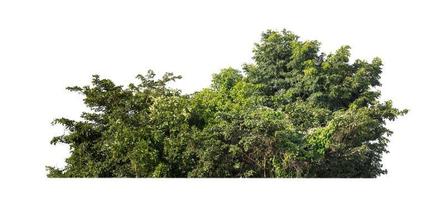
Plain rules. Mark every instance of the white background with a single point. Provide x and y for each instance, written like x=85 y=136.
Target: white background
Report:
x=48 y=45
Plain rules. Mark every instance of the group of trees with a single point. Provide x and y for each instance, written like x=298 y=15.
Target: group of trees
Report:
x=294 y=112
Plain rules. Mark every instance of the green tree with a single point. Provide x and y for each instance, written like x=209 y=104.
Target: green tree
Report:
x=294 y=112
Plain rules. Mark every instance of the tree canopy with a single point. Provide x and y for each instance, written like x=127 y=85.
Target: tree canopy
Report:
x=293 y=112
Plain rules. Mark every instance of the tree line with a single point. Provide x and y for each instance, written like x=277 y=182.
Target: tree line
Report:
x=293 y=112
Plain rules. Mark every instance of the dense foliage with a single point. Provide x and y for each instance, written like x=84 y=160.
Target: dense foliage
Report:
x=294 y=112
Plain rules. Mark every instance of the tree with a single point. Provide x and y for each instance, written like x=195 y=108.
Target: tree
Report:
x=295 y=112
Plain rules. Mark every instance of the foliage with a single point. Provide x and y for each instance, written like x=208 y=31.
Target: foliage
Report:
x=295 y=112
